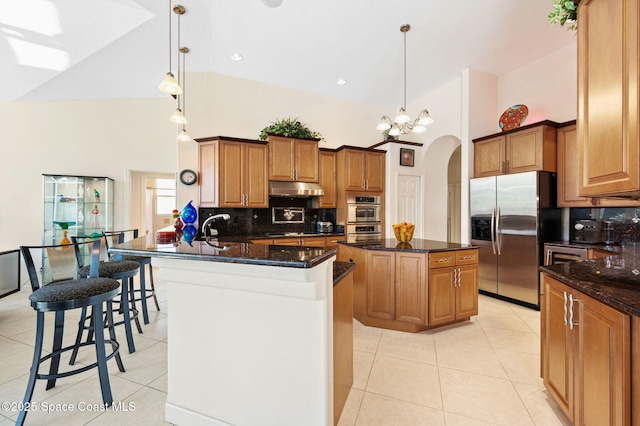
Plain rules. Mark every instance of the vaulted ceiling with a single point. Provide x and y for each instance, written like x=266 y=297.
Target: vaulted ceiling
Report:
x=79 y=49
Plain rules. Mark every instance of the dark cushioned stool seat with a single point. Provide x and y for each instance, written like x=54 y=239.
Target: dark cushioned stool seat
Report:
x=65 y=291
x=111 y=269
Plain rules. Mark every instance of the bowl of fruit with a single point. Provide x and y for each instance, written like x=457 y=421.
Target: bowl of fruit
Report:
x=403 y=231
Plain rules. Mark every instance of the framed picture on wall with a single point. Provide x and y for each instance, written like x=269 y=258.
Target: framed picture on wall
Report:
x=406 y=157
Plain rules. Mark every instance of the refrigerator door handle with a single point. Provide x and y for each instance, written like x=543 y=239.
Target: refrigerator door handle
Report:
x=498 y=239
x=493 y=229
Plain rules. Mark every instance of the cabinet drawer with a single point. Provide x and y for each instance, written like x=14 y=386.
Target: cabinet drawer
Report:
x=442 y=259
x=466 y=257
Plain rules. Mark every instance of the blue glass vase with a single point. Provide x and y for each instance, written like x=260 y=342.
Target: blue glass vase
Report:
x=189 y=233
x=189 y=213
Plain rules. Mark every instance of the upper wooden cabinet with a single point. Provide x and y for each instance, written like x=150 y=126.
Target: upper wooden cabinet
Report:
x=608 y=101
x=569 y=175
x=525 y=149
x=327 y=178
x=233 y=173
x=361 y=169
x=293 y=160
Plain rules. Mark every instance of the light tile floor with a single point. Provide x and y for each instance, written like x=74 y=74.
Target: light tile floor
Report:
x=481 y=372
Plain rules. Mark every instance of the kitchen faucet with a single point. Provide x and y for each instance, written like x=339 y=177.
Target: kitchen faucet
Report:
x=207 y=224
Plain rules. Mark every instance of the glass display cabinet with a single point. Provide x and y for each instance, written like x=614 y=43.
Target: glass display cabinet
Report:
x=76 y=205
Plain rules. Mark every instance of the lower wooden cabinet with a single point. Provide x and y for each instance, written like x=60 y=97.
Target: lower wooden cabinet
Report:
x=412 y=291
x=585 y=356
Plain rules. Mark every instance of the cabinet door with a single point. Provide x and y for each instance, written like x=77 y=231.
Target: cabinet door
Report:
x=327 y=179
x=208 y=159
x=281 y=158
x=354 y=166
x=557 y=344
x=467 y=291
x=489 y=157
x=286 y=241
x=569 y=170
x=306 y=161
x=608 y=102
x=374 y=171
x=256 y=187
x=231 y=174
x=411 y=287
x=531 y=149
x=312 y=242
x=380 y=284
x=442 y=307
x=602 y=372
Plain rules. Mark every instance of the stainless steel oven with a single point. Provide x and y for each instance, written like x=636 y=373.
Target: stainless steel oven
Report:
x=364 y=208
x=357 y=233
x=364 y=218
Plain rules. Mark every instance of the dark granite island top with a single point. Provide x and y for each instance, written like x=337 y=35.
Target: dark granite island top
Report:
x=613 y=280
x=228 y=252
x=417 y=245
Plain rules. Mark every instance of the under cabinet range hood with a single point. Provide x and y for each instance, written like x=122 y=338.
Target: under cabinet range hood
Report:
x=295 y=189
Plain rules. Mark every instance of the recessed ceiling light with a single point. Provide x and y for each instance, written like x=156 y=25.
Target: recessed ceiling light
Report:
x=341 y=82
x=236 y=56
x=272 y=3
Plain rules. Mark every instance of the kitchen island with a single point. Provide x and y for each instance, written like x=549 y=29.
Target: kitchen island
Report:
x=412 y=286
x=590 y=337
x=249 y=331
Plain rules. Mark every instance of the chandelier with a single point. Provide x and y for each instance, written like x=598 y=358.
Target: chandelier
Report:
x=401 y=124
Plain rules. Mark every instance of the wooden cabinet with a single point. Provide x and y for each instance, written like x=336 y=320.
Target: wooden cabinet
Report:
x=334 y=241
x=361 y=170
x=306 y=241
x=453 y=286
x=293 y=160
x=608 y=101
x=233 y=173
x=342 y=343
x=262 y=241
x=327 y=178
x=569 y=175
x=413 y=291
x=585 y=356
x=526 y=149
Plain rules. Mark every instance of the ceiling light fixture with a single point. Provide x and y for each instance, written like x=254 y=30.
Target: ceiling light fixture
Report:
x=341 y=82
x=169 y=85
x=236 y=56
x=400 y=125
x=272 y=3
x=183 y=136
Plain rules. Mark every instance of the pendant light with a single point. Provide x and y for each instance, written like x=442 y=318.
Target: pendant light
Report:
x=183 y=136
x=401 y=123
x=169 y=84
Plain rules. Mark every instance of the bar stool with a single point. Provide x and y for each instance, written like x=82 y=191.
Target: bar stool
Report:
x=63 y=293
x=123 y=271
x=118 y=237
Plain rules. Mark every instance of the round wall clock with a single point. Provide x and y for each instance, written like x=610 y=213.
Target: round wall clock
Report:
x=188 y=177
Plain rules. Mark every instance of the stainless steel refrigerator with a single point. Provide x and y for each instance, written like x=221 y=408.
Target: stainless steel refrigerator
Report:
x=512 y=216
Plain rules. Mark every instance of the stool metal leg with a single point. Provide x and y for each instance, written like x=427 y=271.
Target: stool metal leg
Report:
x=112 y=334
x=132 y=292
x=101 y=356
x=153 y=287
x=37 y=352
x=124 y=307
x=81 y=325
x=57 y=345
x=143 y=294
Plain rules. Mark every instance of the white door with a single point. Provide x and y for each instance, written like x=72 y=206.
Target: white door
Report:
x=408 y=202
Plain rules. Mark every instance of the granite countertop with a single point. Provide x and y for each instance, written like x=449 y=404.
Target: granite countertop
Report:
x=227 y=251
x=341 y=270
x=613 y=280
x=598 y=246
x=274 y=236
x=415 y=245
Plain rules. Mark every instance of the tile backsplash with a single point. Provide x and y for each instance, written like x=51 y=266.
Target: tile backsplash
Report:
x=623 y=222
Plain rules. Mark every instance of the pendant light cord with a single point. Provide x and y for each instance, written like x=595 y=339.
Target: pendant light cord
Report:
x=170 y=35
x=405 y=70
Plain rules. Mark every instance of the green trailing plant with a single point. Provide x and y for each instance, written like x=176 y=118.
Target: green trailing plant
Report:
x=564 y=12
x=289 y=127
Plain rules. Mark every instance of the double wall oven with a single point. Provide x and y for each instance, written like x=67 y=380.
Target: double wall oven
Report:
x=364 y=218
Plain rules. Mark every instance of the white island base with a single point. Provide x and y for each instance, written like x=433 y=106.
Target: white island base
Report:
x=248 y=344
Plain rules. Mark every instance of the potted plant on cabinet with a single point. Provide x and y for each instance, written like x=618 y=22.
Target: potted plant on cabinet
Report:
x=290 y=128
x=565 y=12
